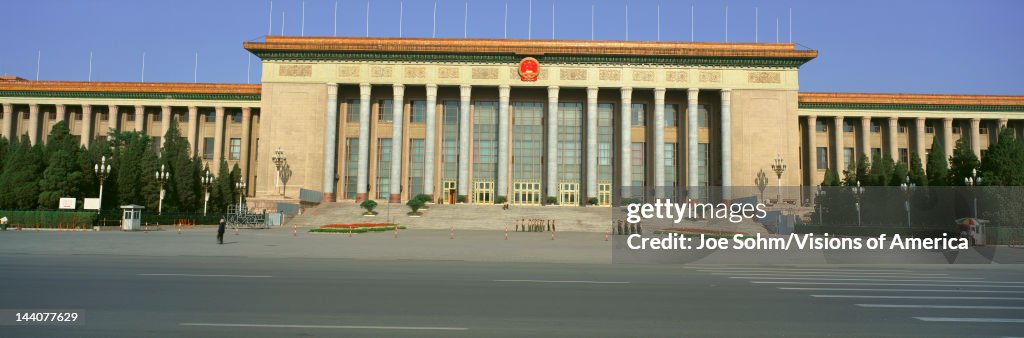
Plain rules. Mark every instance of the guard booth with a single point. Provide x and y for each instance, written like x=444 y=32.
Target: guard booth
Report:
x=131 y=219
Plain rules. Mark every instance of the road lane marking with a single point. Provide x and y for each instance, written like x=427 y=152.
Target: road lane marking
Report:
x=839 y=275
x=298 y=326
x=904 y=290
x=776 y=272
x=554 y=281
x=958 y=280
x=800 y=269
x=917 y=297
x=970 y=320
x=963 y=307
x=198 y=275
x=892 y=284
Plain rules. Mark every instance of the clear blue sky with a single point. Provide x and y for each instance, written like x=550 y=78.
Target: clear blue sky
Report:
x=941 y=46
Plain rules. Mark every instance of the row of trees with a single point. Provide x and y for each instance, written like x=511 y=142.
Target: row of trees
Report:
x=37 y=176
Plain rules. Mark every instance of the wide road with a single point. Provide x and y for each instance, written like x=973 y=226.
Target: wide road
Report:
x=136 y=296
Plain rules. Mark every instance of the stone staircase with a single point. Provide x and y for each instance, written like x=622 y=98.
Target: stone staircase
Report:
x=465 y=217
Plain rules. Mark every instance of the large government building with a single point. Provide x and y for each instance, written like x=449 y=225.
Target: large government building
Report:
x=527 y=120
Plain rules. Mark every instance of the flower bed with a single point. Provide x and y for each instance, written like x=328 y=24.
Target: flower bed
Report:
x=696 y=231
x=356 y=228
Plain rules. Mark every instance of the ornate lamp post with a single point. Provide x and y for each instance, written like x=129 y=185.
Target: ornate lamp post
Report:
x=908 y=188
x=821 y=192
x=762 y=182
x=207 y=181
x=779 y=167
x=161 y=177
x=856 y=199
x=279 y=159
x=972 y=181
x=102 y=171
x=240 y=187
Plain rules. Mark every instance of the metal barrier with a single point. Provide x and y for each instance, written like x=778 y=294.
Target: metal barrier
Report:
x=240 y=217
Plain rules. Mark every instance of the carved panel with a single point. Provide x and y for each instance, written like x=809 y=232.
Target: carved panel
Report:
x=485 y=73
x=764 y=77
x=448 y=73
x=381 y=71
x=608 y=75
x=348 y=71
x=677 y=76
x=573 y=74
x=295 y=70
x=643 y=75
x=709 y=76
x=415 y=72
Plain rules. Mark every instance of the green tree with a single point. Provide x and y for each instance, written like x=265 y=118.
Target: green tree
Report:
x=962 y=163
x=134 y=170
x=831 y=179
x=1003 y=165
x=62 y=176
x=859 y=173
x=20 y=176
x=938 y=165
x=917 y=175
x=881 y=172
x=184 y=183
x=899 y=175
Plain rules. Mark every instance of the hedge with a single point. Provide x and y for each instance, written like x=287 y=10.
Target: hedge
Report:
x=356 y=230
x=47 y=218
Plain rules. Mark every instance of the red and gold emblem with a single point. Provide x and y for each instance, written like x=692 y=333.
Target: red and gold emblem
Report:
x=528 y=69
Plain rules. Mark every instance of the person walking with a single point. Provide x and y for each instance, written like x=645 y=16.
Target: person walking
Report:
x=220 y=231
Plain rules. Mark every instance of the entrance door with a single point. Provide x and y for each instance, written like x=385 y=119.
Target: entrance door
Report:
x=568 y=194
x=604 y=194
x=449 y=191
x=526 y=193
x=483 y=192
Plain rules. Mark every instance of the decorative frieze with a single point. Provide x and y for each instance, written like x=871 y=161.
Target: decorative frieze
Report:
x=573 y=74
x=643 y=75
x=485 y=73
x=295 y=70
x=381 y=72
x=711 y=76
x=415 y=72
x=764 y=77
x=609 y=75
x=348 y=71
x=448 y=73
x=676 y=76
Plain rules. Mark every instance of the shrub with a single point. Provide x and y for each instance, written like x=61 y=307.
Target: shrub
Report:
x=500 y=200
x=592 y=201
x=551 y=200
x=422 y=197
x=369 y=205
x=628 y=201
x=415 y=204
x=461 y=199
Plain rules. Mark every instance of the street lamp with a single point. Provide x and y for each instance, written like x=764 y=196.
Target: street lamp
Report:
x=907 y=188
x=102 y=171
x=161 y=178
x=856 y=199
x=779 y=167
x=762 y=182
x=821 y=192
x=240 y=187
x=279 y=159
x=971 y=182
x=207 y=181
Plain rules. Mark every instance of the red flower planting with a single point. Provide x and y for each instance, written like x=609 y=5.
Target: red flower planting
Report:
x=357 y=225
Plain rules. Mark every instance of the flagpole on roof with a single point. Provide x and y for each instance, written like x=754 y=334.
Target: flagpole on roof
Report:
x=195 y=70
x=270 y=15
x=143 y=79
x=552 y=20
x=791 y=25
x=529 y=23
x=691 y=24
x=335 y=17
x=39 y=62
x=367 y=18
x=659 y=22
x=302 y=20
x=776 y=29
x=282 y=22
x=248 y=68
x=506 y=20
x=756 y=17
x=90 y=66
x=401 y=16
x=726 y=23
x=433 y=33
x=627 y=21
x=465 y=22
x=591 y=21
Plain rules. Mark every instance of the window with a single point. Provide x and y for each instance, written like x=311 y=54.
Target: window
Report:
x=78 y=116
x=570 y=142
x=160 y=117
x=207 y=148
x=450 y=141
x=485 y=141
x=820 y=126
x=25 y=115
x=181 y=117
x=236 y=117
x=929 y=130
x=702 y=116
x=236 y=149
x=822 y=158
x=901 y=128
x=670 y=165
x=983 y=131
x=527 y=151
x=419 y=112
x=100 y=116
x=875 y=127
x=703 y=168
x=416 y=166
x=984 y=152
x=352 y=113
x=847 y=126
x=210 y=117
x=636 y=163
x=876 y=153
x=604 y=142
x=904 y=156
x=671 y=115
x=351 y=167
x=385 y=110
x=384 y=168
x=956 y=130
x=156 y=144
x=639 y=114
x=848 y=158
x=53 y=115
x=130 y=117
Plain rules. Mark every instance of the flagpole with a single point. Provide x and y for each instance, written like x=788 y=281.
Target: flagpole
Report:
x=90 y=65
x=270 y=15
x=302 y=20
x=691 y=24
x=776 y=29
x=248 y=68
x=143 y=79
x=756 y=17
x=591 y=21
x=627 y=21
x=401 y=16
x=659 y=22
x=335 y=17
x=465 y=22
x=529 y=23
x=367 y=18
x=552 y=19
x=195 y=69
x=282 y=22
x=39 y=62
x=434 y=31
x=726 y=23
x=506 y=19
x=791 y=25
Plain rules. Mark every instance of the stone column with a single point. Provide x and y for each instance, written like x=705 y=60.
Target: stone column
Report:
x=865 y=136
x=1002 y=124
x=113 y=117
x=625 y=140
x=838 y=132
x=330 y=140
x=659 y=141
x=364 y=141
x=976 y=137
x=9 y=117
x=33 y=124
x=140 y=119
x=727 y=144
x=503 y=144
x=893 y=131
x=691 y=141
x=193 y=127
x=919 y=146
x=552 y=142
x=218 y=136
x=947 y=136
x=812 y=149
x=591 y=142
x=464 y=95
x=429 y=140
x=86 y=125
x=62 y=114
x=246 y=139
x=165 y=120
x=398 y=113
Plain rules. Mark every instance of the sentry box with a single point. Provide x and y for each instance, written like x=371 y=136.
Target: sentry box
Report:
x=132 y=217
